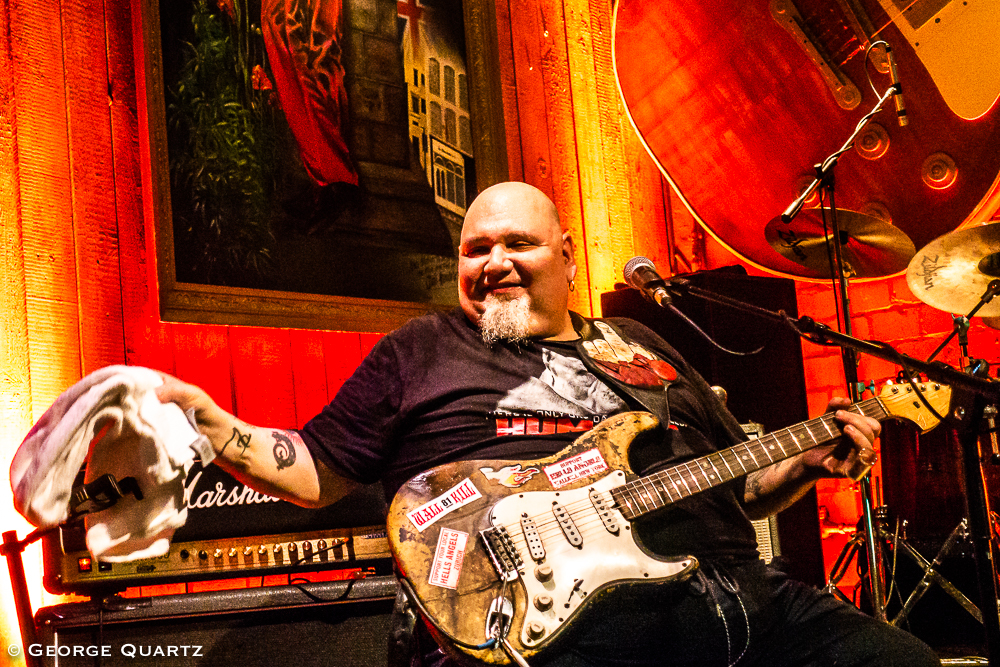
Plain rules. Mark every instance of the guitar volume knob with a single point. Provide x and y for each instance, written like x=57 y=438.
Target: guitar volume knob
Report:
x=543 y=602
x=543 y=573
x=535 y=630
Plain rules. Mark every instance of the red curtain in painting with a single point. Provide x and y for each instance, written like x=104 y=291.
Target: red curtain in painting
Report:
x=303 y=40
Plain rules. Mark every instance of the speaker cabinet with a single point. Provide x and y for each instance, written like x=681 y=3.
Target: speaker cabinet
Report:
x=340 y=624
x=767 y=388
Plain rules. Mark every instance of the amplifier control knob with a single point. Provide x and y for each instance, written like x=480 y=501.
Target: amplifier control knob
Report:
x=218 y=553
x=247 y=551
x=278 y=556
x=203 y=555
x=185 y=554
x=307 y=550
x=322 y=550
x=232 y=552
x=292 y=549
x=543 y=602
x=262 y=553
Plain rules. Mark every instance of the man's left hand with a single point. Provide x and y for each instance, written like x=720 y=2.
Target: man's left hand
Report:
x=850 y=456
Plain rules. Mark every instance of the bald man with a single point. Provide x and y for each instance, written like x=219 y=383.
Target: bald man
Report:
x=507 y=376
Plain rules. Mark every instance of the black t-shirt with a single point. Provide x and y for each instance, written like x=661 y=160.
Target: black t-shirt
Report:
x=432 y=392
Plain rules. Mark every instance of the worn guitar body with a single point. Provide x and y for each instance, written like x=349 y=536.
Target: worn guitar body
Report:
x=605 y=558
x=540 y=542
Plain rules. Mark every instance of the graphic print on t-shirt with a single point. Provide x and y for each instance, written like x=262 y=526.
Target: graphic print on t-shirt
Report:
x=566 y=397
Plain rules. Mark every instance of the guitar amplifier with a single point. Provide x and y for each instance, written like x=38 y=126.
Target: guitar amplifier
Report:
x=233 y=531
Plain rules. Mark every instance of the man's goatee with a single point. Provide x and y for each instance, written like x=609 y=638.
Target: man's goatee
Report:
x=506 y=319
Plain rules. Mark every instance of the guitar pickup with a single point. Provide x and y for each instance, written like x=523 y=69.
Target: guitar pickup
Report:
x=535 y=547
x=569 y=528
x=600 y=504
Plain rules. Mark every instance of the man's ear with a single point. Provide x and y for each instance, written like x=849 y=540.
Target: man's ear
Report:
x=569 y=255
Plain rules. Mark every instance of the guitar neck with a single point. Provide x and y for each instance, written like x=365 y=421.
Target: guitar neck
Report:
x=660 y=489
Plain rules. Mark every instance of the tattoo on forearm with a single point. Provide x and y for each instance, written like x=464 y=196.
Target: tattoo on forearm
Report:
x=284 y=450
x=238 y=440
x=753 y=485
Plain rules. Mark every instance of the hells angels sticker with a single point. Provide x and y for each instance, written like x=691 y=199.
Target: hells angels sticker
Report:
x=576 y=467
x=457 y=496
x=448 y=557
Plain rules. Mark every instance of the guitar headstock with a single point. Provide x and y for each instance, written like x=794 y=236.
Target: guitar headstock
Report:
x=900 y=401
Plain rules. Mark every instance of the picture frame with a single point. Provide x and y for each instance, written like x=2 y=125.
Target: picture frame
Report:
x=212 y=304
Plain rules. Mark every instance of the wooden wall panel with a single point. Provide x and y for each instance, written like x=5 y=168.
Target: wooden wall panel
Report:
x=264 y=392
x=508 y=92
x=308 y=374
x=531 y=98
x=202 y=357
x=342 y=353
x=95 y=225
x=46 y=196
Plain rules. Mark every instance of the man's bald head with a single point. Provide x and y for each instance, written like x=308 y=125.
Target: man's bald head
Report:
x=513 y=197
x=514 y=253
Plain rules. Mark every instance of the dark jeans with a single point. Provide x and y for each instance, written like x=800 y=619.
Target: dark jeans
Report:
x=705 y=622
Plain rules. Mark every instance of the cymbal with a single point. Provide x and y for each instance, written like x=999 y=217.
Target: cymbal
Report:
x=952 y=272
x=870 y=247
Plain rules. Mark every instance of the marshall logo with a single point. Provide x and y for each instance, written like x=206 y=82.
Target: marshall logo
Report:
x=928 y=270
x=509 y=476
x=222 y=495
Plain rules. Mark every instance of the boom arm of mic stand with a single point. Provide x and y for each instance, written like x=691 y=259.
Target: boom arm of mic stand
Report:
x=970 y=396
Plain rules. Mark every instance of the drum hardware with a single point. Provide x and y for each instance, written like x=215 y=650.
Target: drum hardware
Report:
x=99 y=494
x=870 y=247
x=957 y=272
x=898 y=543
x=841 y=267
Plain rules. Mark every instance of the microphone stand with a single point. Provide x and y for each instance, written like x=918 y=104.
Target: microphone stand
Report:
x=825 y=182
x=970 y=397
x=98 y=495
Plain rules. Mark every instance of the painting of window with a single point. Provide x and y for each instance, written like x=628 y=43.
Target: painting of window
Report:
x=303 y=153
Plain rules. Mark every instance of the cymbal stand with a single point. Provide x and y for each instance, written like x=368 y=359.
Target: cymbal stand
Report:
x=825 y=182
x=960 y=328
x=932 y=576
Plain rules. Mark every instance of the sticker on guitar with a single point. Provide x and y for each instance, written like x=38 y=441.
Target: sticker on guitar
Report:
x=448 y=557
x=576 y=467
x=461 y=494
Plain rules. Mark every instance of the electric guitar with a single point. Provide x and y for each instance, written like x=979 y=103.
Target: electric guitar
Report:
x=529 y=544
x=736 y=101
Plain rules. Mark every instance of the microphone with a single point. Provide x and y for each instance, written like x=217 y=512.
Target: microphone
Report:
x=898 y=97
x=640 y=273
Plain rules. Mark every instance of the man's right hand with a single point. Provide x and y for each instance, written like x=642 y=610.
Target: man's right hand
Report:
x=270 y=460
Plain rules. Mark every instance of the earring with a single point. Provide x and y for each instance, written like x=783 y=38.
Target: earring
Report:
x=572 y=285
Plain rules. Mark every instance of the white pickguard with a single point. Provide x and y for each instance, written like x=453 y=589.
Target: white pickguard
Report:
x=603 y=558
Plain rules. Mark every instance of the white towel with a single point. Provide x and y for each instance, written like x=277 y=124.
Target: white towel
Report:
x=151 y=441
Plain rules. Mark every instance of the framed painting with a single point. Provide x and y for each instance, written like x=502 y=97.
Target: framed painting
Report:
x=310 y=161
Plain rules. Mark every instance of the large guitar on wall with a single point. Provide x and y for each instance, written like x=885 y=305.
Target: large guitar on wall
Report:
x=536 y=543
x=737 y=101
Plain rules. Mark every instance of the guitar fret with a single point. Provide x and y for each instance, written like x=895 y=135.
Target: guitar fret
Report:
x=711 y=466
x=658 y=477
x=659 y=502
x=794 y=439
x=685 y=479
x=694 y=477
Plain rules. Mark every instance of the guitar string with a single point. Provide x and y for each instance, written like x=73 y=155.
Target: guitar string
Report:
x=550 y=531
x=691 y=471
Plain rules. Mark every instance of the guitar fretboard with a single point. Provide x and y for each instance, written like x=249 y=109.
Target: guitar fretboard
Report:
x=668 y=486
